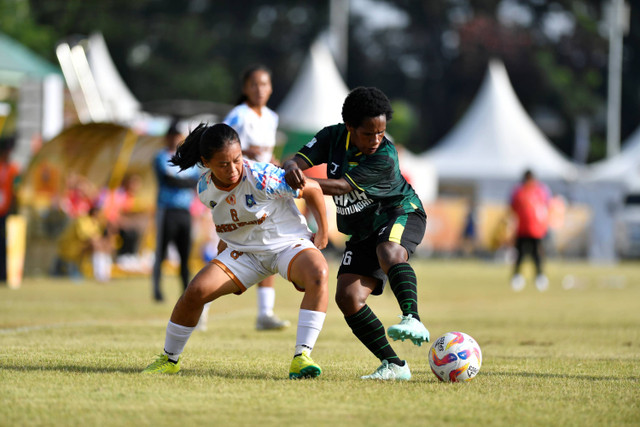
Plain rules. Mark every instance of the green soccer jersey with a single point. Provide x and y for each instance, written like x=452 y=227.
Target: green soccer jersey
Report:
x=378 y=186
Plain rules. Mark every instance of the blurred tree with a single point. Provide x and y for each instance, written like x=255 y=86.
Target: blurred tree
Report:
x=17 y=21
x=432 y=54
x=403 y=124
x=193 y=49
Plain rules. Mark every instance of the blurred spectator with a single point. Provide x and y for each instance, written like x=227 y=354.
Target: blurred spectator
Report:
x=84 y=239
x=468 y=240
x=8 y=175
x=79 y=196
x=501 y=238
x=530 y=203
x=126 y=221
x=176 y=191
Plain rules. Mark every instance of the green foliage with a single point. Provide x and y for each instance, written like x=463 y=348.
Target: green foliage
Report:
x=72 y=354
x=577 y=91
x=16 y=20
x=404 y=124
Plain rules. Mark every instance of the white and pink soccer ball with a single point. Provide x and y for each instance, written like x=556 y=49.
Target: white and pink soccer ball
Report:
x=454 y=357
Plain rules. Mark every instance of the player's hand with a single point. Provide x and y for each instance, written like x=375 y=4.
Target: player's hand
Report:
x=320 y=239
x=293 y=175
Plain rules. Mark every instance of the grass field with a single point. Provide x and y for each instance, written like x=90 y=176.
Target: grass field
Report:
x=71 y=354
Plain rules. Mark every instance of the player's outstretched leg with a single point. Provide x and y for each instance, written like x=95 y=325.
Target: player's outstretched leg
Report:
x=209 y=284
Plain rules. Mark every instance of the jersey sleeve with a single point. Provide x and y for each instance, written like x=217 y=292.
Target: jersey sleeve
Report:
x=373 y=176
x=316 y=151
x=203 y=186
x=270 y=179
x=234 y=119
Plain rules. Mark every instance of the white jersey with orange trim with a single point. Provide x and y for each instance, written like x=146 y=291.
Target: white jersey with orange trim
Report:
x=258 y=214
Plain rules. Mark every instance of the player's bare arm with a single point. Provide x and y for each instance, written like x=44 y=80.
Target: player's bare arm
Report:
x=314 y=199
x=293 y=172
x=335 y=187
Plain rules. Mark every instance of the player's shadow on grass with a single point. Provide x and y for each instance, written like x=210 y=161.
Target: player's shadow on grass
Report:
x=559 y=376
x=188 y=372
x=72 y=368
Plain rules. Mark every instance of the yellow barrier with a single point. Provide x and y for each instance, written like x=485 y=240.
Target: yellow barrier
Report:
x=16 y=246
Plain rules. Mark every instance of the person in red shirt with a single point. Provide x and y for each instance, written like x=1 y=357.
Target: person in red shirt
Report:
x=8 y=174
x=530 y=204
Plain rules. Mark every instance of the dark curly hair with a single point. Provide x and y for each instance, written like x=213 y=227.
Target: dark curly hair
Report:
x=203 y=142
x=363 y=103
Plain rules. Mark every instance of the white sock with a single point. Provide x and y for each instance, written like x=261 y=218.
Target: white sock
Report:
x=204 y=317
x=101 y=263
x=309 y=327
x=175 y=340
x=266 y=301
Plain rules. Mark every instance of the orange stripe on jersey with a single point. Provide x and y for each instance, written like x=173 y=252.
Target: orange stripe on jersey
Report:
x=231 y=276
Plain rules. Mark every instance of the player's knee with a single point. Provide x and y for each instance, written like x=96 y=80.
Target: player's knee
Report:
x=315 y=273
x=317 y=278
x=347 y=301
x=321 y=275
x=195 y=295
x=391 y=252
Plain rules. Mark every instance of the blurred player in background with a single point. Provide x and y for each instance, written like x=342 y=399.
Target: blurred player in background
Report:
x=383 y=215
x=256 y=125
x=530 y=204
x=173 y=219
x=255 y=215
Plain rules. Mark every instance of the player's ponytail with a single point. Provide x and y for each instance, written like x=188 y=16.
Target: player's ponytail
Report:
x=203 y=142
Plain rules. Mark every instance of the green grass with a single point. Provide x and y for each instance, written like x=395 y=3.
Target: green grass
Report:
x=71 y=354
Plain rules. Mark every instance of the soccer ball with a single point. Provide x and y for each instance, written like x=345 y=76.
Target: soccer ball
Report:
x=454 y=357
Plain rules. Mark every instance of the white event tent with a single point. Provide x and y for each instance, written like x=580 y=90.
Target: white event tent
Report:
x=315 y=99
x=488 y=151
x=623 y=167
x=497 y=140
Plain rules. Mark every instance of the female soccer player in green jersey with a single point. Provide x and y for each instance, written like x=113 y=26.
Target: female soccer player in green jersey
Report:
x=383 y=215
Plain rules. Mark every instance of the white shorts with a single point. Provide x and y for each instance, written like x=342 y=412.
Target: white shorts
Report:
x=248 y=268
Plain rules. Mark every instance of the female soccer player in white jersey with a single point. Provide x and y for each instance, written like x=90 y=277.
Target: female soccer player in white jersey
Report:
x=254 y=213
x=256 y=125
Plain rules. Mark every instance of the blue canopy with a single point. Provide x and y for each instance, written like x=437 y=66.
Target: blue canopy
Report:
x=18 y=62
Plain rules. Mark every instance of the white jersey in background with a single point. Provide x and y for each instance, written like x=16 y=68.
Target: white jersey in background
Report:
x=254 y=129
x=259 y=213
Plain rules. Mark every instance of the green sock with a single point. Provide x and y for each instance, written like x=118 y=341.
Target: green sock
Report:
x=369 y=330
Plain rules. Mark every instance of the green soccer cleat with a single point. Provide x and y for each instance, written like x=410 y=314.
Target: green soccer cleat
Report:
x=409 y=328
x=390 y=371
x=303 y=366
x=162 y=365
